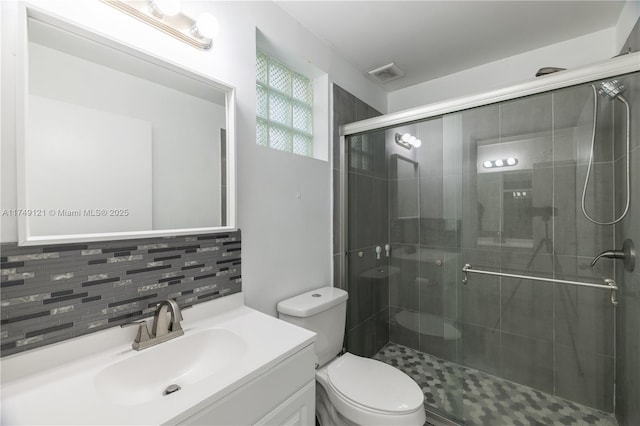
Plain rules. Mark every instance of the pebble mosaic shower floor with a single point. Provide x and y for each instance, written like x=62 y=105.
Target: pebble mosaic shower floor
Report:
x=487 y=400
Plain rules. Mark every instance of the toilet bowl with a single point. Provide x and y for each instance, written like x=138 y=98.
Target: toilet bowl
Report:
x=369 y=392
x=351 y=390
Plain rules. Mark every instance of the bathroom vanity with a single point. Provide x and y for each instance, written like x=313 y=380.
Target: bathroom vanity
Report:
x=233 y=366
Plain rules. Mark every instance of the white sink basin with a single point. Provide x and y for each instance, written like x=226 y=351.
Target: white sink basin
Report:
x=182 y=361
x=98 y=379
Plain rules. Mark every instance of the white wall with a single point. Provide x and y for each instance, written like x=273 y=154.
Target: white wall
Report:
x=628 y=18
x=73 y=153
x=284 y=200
x=571 y=53
x=186 y=136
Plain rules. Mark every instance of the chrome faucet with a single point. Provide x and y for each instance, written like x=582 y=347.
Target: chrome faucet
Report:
x=161 y=330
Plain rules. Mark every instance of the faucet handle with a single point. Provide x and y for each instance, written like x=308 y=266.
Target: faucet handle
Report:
x=132 y=323
x=143 y=332
x=142 y=335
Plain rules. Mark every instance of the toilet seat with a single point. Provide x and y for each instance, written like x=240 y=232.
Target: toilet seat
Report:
x=370 y=392
x=374 y=385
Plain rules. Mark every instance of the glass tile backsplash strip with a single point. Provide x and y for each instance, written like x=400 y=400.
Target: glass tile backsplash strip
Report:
x=54 y=293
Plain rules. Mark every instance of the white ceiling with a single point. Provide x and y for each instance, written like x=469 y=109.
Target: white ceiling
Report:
x=429 y=39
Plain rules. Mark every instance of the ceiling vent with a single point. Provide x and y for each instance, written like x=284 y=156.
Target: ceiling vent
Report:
x=387 y=73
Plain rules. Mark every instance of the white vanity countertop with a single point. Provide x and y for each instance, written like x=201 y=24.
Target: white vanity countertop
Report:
x=56 y=384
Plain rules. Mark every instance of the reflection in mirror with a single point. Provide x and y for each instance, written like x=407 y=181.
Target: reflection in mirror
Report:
x=510 y=174
x=405 y=172
x=117 y=143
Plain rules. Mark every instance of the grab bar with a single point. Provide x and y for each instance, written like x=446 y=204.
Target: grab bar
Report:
x=608 y=285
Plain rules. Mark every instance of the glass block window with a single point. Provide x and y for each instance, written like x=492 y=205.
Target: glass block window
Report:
x=284 y=107
x=361 y=152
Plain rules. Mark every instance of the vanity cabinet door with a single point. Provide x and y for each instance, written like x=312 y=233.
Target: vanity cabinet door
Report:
x=283 y=390
x=299 y=410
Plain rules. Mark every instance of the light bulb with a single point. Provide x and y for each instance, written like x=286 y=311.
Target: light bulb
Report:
x=487 y=164
x=164 y=8
x=412 y=140
x=406 y=138
x=417 y=143
x=206 y=26
x=499 y=163
x=511 y=161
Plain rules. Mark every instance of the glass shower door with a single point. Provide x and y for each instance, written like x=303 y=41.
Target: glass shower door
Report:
x=402 y=256
x=367 y=229
x=499 y=187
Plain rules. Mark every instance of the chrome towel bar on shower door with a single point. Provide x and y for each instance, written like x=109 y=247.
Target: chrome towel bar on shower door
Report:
x=608 y=285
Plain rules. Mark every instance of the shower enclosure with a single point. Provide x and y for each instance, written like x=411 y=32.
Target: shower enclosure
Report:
x=495 y=182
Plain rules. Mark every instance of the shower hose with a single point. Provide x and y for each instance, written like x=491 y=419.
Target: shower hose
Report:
x=628 y=155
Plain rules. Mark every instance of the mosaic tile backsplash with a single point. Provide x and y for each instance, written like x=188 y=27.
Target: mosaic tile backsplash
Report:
x=53 y=293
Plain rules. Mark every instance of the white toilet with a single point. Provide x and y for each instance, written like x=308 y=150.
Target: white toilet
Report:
x=351 y=390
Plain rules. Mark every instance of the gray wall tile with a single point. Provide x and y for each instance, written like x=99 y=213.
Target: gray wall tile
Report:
x=527 y=361
x=403 y=327
x=481 y=348
x=584 y=377
x=527 y=308
x=361 y=339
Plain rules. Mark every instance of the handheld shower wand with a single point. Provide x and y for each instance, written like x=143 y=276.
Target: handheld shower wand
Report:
x=612 y=89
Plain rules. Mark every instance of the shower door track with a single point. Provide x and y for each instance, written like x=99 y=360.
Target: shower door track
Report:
x=608 y=285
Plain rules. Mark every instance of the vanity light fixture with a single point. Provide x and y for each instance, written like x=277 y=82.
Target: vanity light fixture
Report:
x=508 y=162
x=408 y=141
x=163 y=8
x=165 y=15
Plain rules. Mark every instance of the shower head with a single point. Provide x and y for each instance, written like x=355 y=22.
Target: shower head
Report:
x=611 y=89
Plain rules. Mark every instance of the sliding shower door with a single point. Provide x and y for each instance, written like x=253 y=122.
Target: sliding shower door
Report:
x=525 y=167
x=404 y=212
x=367 y=237
x=503 y=189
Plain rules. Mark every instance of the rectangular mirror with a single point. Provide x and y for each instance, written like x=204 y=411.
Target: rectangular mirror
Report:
x=118 y=144
x=405 y=202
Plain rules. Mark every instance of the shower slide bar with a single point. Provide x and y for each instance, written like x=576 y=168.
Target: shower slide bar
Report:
x=608 y=285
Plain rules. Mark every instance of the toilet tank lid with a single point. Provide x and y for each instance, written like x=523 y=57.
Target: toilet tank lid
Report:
x=312 y=302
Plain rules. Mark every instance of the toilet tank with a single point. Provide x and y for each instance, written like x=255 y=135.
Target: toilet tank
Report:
x=323 y=311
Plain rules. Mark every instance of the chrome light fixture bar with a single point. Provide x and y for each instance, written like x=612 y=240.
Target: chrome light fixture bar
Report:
x=507 y=162
x=165 y=15
x=408 y=141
